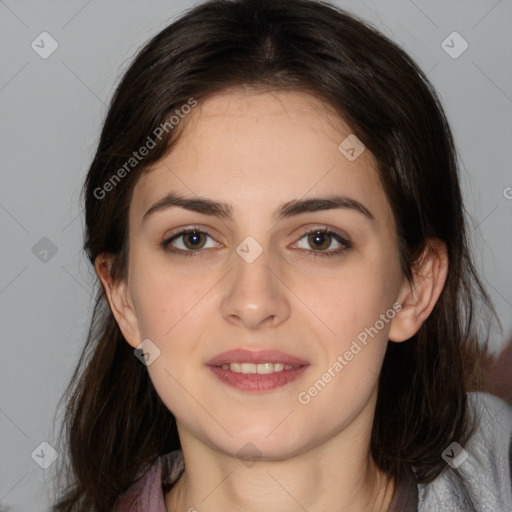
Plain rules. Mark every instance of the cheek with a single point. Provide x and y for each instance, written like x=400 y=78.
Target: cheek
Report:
x=171 y=314
x=166 y=299
x=357 y=308
x=349 y=299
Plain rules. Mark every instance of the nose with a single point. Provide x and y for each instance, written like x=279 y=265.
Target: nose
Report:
x=255 y=295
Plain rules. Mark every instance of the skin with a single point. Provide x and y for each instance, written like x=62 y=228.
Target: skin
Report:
x=257 y=150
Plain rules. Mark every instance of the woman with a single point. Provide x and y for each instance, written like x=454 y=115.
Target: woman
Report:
x=285 y=318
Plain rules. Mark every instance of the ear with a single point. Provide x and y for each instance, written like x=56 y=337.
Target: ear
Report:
x=419 y=297
x=119 y=299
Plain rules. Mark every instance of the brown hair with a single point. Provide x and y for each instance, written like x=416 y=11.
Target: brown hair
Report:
x=115 y=423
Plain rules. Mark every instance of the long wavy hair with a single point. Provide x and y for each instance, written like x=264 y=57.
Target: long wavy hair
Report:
x=115 y=425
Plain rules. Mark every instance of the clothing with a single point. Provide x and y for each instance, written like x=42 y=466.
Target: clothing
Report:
x=487 y=469
x=486 y=472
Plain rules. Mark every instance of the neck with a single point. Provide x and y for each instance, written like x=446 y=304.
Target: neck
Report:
x=316 y=480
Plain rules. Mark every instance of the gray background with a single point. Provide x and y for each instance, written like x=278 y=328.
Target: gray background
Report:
x=51 y=115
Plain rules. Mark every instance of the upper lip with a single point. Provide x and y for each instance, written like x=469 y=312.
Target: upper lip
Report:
x=255 y=356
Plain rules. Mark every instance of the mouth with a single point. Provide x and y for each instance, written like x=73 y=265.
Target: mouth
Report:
x=259 y=368
x=256 y=371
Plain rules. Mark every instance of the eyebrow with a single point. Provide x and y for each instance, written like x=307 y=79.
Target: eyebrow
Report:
x=289 y=209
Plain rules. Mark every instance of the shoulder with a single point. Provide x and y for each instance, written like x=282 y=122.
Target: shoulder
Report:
x=147 y=493
x=478 y=476
x=493 y=434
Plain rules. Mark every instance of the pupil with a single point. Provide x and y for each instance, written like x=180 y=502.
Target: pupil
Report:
x=317 y=239
x=196 y=237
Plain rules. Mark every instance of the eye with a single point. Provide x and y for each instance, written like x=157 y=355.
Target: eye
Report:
x=194 y=242
x=189 y=242
x=323 y=239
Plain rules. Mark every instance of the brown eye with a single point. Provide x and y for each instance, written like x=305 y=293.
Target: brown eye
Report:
x=319 y=240
x=323 y=242
x=190 y=242
x=194 y=239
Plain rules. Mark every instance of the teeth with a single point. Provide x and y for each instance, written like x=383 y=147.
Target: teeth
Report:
x=260 y=368
x=263 y=368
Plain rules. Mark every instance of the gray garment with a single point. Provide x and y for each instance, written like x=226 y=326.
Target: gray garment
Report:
x=485 y=474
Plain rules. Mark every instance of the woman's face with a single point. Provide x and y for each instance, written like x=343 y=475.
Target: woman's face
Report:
x=256 y=281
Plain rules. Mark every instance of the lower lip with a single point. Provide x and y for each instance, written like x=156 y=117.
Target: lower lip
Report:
x=256 y=381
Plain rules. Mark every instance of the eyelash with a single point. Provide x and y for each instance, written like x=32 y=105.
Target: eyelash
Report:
x=345 y=244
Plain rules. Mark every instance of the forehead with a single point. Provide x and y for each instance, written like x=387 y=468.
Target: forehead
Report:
x=257 y=148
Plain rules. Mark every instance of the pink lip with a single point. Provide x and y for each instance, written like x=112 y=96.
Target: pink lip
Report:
x=256 y=382
x=255 y=356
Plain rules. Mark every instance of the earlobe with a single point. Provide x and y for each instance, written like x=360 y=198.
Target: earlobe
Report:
x=119 y=299
x=419 y=297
